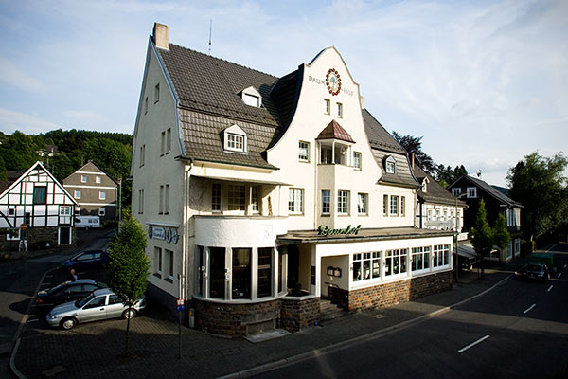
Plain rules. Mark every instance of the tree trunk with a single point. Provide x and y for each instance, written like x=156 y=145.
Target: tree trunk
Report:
x=127 y=336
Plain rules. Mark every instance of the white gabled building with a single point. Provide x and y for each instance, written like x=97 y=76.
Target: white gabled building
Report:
x=38 y=210
x=262 y=195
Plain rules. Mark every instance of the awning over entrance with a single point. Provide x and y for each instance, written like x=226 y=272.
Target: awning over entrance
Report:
x=467 y=252
x=227 y=178
x=348 y=234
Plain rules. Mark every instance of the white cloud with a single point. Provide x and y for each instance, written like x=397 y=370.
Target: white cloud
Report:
x=12 y=121
x=12 y=75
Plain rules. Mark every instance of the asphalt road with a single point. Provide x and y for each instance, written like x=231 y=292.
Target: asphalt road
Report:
x=19 y=280
x=517 y=330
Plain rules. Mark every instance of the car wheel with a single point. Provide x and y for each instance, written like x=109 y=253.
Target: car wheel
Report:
x=68 y=323
x=129 y=313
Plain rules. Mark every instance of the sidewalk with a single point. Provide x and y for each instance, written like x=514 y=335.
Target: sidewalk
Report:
x=93 y=350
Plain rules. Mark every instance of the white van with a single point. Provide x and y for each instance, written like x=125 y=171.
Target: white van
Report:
x=87 y=222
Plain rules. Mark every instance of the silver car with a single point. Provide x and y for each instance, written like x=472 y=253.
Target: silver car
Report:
x=100 y=305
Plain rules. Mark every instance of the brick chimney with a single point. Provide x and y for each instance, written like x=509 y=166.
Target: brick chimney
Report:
x=160 y=35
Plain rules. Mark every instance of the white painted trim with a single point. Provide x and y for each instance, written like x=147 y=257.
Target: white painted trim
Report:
x=97 y=204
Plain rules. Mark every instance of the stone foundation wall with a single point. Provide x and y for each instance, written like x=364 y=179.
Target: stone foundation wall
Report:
x=395 y=292
x=234 y=319
x=298 y=313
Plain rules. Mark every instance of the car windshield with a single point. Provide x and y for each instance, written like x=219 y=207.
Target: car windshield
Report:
x=81 y=302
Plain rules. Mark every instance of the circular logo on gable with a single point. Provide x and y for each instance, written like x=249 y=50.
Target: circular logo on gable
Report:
x=333 y=81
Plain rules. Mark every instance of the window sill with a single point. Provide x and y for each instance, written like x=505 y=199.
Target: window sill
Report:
x=157 y=275
x=325 y=215
x=170 y=279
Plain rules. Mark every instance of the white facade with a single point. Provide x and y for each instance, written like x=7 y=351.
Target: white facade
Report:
x=236 y=225
x=37 y=200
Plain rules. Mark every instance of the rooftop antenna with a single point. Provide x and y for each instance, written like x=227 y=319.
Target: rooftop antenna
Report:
x=210 y=27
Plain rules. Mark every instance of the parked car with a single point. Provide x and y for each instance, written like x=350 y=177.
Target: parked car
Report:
x=100 y=305
x=67 y=291
x=538 y=271
x=87 y=260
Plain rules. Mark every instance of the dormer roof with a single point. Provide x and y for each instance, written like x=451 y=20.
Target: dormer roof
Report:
x=335 y=131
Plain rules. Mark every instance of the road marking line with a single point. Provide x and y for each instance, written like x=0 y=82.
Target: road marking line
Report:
x=529 y=309
x=550 y=248
x=473 y=344
x=549 y=288
x=565 y=264
x=559 y=275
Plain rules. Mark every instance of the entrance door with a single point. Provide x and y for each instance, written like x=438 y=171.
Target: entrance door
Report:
x=293 y=266
x=64 y=235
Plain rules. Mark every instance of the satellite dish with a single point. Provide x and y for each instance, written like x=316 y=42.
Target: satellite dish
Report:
x=479 y=173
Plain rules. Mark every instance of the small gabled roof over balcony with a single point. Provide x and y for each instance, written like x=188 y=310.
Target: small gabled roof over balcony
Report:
x=335 y=131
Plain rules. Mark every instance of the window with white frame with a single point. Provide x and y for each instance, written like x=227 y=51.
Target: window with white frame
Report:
x=98 y=180
x=157 y=260
x=235 y=142
x=166 y=141
x=394 y=205
x=403 y=206
x=296 y=201
x=456 y=191
x=83 y=178
x=395 y=261
x=264 y=271
x=390 y=164
x=357 y=160
x=339 y=110
x=471 y=192
x=304 y=151
x=362 y=199
x=385 y=204
x=216 y=197
x=325 y=202
x=102 y=212
x=366 y=266
x=65 y=211
x=77 y=194
x=343 y=202
x=102 y=195
x=421 y=258
x=441 y=255
x=236 y=198
x=326 y=106
x=254 y=198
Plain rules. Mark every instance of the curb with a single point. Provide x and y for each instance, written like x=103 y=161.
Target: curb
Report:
x=355 y=340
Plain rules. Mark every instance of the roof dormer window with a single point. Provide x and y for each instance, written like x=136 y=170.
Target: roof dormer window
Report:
x=234 y=139
x=390 y=165
x=425 y=185
x=250 y=96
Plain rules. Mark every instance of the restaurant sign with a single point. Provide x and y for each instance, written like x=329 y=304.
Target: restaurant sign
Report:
x=327 y=231
x=164 y=233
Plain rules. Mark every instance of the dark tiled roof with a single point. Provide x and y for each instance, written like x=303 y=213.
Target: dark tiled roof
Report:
x=213 y=85
x=378 y=137
x=202 y=134
x=335 y=131
x=402 y=176
x=501 y=197
x=435 y=193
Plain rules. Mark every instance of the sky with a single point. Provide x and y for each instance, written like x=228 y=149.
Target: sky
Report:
x=483 y=82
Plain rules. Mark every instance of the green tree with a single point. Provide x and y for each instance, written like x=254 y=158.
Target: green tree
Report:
x=446 y=176
x=538 y=183
x=413 y=145
x=482 y=235
x=501 y=236
x=129 y=267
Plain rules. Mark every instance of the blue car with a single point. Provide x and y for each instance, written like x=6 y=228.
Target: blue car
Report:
x=87 y=260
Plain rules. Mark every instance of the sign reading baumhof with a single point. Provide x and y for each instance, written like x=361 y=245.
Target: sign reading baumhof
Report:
x=327 y=231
